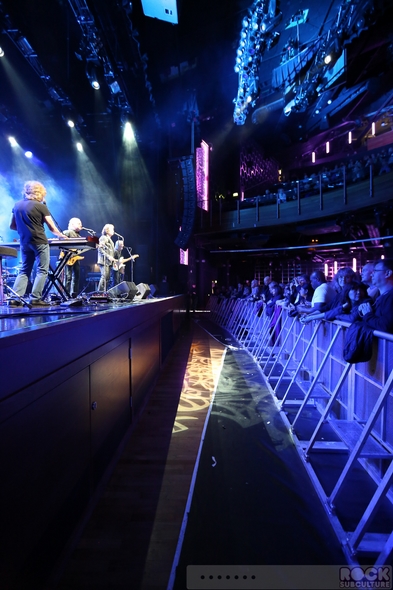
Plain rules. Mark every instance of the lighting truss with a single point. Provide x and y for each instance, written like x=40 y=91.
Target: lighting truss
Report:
x=256 y=37
x=95 y=52
x=55 y=92
x=31 y=57
x=350 y=22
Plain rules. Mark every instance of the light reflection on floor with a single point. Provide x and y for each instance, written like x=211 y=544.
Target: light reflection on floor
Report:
x=200 y=381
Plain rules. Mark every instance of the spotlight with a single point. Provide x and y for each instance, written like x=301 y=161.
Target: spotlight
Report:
x=91 y=74
x=70 y=123
x=128 y=131
x=79 y=146
x=1 y=52
x=29 y=154
x=13 y=141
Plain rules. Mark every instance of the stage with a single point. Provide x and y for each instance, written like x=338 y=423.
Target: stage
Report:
x=75 y=379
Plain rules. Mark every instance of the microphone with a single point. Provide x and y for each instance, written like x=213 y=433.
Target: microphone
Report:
x=89 y=230
x=119 y=236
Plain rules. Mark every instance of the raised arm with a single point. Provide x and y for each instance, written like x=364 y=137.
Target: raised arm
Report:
x=50 y=223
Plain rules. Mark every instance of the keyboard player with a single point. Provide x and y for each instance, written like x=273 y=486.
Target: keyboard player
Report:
x=72 y=268
x=29 y=217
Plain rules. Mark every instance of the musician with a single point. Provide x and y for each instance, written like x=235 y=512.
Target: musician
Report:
x=118 y=266
x=106 y=255
x=28 y=218
x=72 y=268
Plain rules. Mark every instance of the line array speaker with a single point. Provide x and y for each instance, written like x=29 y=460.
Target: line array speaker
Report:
x=189 y=202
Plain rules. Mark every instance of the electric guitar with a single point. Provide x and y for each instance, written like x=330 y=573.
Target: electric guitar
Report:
x=118 y=263
x=72 y=260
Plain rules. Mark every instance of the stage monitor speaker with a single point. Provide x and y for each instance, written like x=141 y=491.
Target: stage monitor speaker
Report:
x=124 y=290
x=153 y=290
x=143 y=291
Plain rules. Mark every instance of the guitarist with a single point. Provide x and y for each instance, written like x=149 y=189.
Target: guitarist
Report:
x=118 y=267
x=106 y=255
x=72 y=271
x=119 y=263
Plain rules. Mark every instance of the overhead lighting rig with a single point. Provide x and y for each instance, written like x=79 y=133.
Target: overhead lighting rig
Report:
x=23 y=45
x=256 y=37
x=93 y=51
x=352 y=18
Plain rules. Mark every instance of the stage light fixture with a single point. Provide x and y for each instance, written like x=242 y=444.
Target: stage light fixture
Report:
x=29 y=154
x=70 y=123
x=79 y=146
x=128 y=131
x=114 y=87
x=1 y=52
x=13 y=141
x=91 y=74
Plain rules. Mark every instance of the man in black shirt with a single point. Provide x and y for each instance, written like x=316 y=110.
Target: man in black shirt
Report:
x=28 y=218
x=379 y=315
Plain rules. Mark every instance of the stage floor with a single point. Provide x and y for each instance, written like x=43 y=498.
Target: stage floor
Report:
x=15 y=319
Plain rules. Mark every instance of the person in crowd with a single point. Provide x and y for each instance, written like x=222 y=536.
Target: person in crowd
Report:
x=265 y=294
x=72 y=268
x=106 y=255
x=367 y=279
x=341 y=285
x=347 y=311
x=379 y=315
x=246 y=290
x=323 y=294
x=281 y=195
x=342 y=282
x=304 y=299
x=238 y=293
x=28 y=218
x=300 y=282
x=276 y=294
x=255 y=291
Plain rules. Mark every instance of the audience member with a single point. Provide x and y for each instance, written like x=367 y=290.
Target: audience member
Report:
x=323 y=294
x=367 y=279
x=346 y=311
x=379 y=315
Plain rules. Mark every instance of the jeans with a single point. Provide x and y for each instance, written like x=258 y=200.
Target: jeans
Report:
x=72 y=274
x=31 y=253
x=105 y=277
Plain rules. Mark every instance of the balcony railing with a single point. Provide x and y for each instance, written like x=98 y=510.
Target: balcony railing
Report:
x=302 y=204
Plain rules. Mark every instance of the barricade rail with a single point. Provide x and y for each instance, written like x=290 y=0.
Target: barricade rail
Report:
x=332 y=407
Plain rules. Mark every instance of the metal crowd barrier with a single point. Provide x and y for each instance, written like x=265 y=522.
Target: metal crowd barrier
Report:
x=334 y=408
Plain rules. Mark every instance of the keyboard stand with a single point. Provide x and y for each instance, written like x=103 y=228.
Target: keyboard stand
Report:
x=54 y=277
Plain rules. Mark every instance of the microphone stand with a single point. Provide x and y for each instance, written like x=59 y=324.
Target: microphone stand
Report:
x=54 y=221
x=129 y=250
